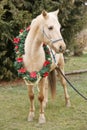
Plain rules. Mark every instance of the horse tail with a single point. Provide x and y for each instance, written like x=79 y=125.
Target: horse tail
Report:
x=52 y=83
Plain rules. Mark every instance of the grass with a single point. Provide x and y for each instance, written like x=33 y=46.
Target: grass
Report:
x=14 y=104
x=76 y=63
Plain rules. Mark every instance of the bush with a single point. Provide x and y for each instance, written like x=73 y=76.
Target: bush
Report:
x=11 y=21
x=80 y=42
x=15 y=15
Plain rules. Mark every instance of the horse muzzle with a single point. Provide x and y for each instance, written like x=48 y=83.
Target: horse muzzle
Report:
x=62 y=48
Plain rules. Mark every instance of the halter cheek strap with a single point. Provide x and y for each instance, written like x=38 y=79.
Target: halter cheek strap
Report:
x=51 y=41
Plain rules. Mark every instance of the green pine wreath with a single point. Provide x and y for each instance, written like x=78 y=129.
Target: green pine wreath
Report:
x=19 y=51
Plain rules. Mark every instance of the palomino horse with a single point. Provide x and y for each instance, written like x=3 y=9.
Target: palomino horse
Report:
x=45 y=28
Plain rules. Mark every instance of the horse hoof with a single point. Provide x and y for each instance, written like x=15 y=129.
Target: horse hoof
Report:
x=31 y=116
x=42 y=119
x=68 y=104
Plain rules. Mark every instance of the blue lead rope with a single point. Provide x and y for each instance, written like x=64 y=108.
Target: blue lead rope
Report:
x=53 y=56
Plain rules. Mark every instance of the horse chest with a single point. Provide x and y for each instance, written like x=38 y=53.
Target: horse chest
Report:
x=34 y=62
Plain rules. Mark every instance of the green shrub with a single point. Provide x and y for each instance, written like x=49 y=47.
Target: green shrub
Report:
x=15 y=15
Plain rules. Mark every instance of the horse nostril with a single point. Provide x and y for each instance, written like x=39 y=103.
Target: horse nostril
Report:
x=60 y=48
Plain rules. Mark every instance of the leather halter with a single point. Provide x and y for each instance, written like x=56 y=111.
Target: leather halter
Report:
x=51 y=41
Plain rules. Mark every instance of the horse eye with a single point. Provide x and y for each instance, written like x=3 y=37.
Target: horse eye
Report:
x=50 y=28
x=61 y=29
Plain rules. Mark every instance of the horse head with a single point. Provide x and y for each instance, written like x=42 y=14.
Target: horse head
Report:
x=50 y=28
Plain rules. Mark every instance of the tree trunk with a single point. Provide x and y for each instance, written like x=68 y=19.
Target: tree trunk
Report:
x=76 y=72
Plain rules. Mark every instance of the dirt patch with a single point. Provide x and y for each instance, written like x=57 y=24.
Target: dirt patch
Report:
x=13 y=82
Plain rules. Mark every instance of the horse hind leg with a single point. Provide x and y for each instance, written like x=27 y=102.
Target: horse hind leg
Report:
x=67 y=98
x=63 y=82
x=31 y=97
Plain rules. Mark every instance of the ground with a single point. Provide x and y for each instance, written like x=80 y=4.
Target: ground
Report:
x=14 y=104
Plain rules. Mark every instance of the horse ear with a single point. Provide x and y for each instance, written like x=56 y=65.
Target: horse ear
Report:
x=56 y=12
x=44 y=13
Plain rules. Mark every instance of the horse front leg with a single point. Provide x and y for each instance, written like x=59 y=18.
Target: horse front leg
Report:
x=45 y=92
x=31 y=97
x=41 y=100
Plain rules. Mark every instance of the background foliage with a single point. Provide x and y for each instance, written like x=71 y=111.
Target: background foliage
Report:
x=17 y=14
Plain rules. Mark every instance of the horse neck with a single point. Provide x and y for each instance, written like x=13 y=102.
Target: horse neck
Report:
x=34 y=54
x=33 y=44
x=33 y=41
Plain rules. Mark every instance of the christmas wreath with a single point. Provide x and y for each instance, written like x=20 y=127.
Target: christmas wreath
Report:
x=19 y=50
